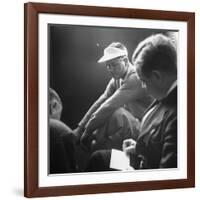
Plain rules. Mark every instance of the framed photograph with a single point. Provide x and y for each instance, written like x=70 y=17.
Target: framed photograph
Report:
x=84 y=67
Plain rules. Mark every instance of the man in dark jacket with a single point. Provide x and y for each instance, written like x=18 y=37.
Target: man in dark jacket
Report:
x=61 y=148
x=155 y=60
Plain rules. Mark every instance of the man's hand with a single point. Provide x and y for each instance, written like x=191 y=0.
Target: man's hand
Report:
x=93 y=140
x=129 y=146
x=98 y=140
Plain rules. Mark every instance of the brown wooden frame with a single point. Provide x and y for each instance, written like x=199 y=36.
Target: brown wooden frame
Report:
x=31 y=188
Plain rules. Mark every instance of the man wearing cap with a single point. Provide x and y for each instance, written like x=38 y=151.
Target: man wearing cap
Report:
x=116 y=114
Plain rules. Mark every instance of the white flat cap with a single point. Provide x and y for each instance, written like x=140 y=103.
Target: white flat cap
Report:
x=112 y=52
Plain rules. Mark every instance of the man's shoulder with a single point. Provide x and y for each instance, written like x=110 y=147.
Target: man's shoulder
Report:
x=111 y=81
x=58 y=125
x=132 y=80
x=170 y=107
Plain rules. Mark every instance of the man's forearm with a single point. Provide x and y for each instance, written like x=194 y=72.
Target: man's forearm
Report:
x=92 y=109
x=99 y=118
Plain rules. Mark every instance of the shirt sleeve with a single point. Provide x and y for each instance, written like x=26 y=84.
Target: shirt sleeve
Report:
x=131 y=90
x=110 y=89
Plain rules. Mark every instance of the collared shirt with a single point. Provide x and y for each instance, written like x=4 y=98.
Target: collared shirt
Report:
x=149 y=114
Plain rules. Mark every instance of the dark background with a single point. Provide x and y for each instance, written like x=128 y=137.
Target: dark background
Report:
x=74 y=72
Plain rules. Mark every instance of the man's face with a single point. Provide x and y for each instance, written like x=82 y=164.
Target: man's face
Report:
x=151 y=83
x=117 y=67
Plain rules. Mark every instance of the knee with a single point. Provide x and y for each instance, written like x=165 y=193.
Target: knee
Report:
x=97 y=157
x=99 y=161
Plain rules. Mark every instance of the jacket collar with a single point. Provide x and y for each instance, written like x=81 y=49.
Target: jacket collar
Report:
x=169 y=99
x=174 y=85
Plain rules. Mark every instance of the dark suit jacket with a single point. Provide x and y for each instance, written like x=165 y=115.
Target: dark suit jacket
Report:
x=157 y=143
x=62 y=152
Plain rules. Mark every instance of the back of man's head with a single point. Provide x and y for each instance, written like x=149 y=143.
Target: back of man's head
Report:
x=55 y=104
x=156 y=52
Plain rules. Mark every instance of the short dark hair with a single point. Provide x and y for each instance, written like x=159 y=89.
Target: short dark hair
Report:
x=156 y=52
x=55 y=103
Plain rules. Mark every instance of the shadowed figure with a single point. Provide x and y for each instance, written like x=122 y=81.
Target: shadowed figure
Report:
x=61 y=146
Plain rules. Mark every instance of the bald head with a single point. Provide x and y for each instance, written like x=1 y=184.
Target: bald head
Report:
x=55 y=104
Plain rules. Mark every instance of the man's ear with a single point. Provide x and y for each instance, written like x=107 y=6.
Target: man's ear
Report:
x=53 y=107
x=126 y=60
x=54 y=104
x=156 y=75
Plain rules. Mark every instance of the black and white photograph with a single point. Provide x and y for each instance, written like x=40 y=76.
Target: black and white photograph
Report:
x=112 y=99
x=108 y=103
